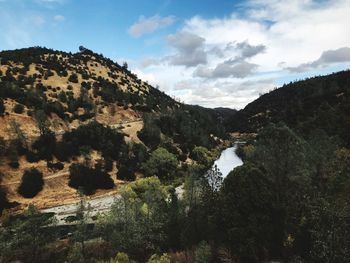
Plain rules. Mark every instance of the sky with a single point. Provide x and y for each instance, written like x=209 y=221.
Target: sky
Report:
x=214 y=53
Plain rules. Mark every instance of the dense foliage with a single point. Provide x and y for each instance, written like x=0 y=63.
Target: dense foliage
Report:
x=188 y=126
x=314 y=103
x=287 y=202
x=92 y=136
x=161 y=163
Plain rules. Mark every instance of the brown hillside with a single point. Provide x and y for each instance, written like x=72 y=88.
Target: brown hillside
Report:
x=72 y=89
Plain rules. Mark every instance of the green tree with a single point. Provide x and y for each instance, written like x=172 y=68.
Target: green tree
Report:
x=203 y=253
x=24 y=238
x=119 y=258
x=247 y=214
x=201 y=155
x=159 y=259
x=161 y=163
x=284 y=158
x=137 y=221
x=150 y=133
x=80 y=234
x=41 y=121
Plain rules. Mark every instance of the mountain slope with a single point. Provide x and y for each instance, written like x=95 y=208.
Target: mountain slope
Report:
x=316 y=103
x=83 y=114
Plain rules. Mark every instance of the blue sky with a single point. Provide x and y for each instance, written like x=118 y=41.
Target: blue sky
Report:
x=101 y=25
x=212 y=53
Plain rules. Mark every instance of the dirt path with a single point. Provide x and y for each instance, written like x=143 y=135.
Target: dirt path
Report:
x=59 y=174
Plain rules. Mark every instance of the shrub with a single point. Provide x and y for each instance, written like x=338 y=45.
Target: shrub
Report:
x=32 y=183
x=88 y=179
x=73 y=78
x=64 y=151
x=55 y=166
x=32 y=157
x=126 y=173
x=45 y=145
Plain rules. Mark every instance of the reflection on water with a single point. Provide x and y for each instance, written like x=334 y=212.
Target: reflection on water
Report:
x=228 y=160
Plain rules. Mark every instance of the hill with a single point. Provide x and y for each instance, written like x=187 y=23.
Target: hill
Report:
x=66 y=114
x=316 y=103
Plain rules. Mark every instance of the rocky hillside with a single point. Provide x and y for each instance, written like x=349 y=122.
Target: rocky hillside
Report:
x=70 y=121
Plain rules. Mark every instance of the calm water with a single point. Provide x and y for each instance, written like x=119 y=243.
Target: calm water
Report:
x=228 y=160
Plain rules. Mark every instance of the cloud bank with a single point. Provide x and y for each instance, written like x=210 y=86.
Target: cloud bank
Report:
x=231 y=60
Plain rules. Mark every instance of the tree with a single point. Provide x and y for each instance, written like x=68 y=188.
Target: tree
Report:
x=45 y=145
x=41 y=121
x=18 y=133
x=88 y=179
x=247 y=214
x=119 y=258
x=125 y=65
x=201 y=155
x=161 y=163
x=80 y=234
x=150 y=133
x=82 y=49
x=159 y=259
x=284 y=158
x=126 y=173
x=203 y=253
x=24 y=238
x=31 y=184
x=137 y=221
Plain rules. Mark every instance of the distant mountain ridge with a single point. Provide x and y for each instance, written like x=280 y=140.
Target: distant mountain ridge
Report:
x=321 y=102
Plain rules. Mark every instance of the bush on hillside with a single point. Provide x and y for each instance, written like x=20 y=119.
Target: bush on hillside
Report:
x=18 y=108
x=126 y=173
x=32 y=183
x=73 y=78
x=88 y=179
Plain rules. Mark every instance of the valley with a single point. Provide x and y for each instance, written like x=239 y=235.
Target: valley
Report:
x=97 y=163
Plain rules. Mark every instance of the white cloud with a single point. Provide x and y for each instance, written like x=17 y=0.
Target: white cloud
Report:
x=38 y=20
x=189 y=49
x=226 y=69
x=59 y=18
x=147 y=62
x=327 y=57
x=148 y=25
x=252 y=47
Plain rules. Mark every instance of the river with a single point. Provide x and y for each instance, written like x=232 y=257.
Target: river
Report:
x=228 y=160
